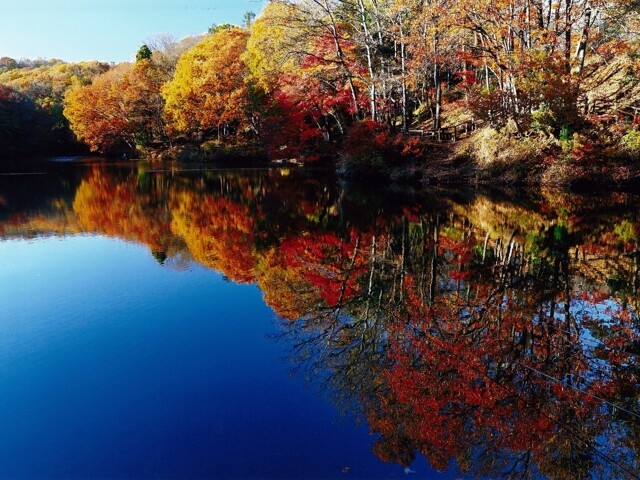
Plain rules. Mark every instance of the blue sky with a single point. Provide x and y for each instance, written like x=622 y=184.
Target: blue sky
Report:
x=107 y=30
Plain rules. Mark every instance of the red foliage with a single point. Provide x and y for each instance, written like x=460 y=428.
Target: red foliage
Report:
x=366 y=137
x=333 y=264
x=467 y=79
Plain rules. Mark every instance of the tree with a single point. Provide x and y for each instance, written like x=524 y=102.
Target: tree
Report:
x=219 y=232
x=273 y=47
x=17 y=116
x=166 y=51
x=248 y=19
x=208 y=92
x=118 y=207
x=144 y=53
x=44 y=85
x=122 y=108
x=215 y=28
x=7 y=63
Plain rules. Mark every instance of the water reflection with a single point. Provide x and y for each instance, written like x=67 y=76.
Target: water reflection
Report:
x=494 y=332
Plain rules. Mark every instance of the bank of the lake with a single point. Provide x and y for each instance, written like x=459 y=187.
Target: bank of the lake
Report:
x=486 y=156
x=535 y=159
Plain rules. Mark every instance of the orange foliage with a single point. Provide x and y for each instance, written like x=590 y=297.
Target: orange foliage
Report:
x=218 y=232
x=121 y=108
x=208 y=90
x=117 y=209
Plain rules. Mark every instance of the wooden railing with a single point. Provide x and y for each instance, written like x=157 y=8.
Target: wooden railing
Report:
x=448 y=134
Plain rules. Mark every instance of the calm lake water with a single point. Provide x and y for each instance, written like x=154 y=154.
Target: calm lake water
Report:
x=177 y=322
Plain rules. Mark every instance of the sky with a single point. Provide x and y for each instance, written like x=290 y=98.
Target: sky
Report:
x=106 y=30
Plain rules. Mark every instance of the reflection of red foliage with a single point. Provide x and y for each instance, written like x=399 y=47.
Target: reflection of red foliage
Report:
x=457 y=385
x=333 y=264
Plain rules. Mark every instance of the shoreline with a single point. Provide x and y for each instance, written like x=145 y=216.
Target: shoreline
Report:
x=480 y=159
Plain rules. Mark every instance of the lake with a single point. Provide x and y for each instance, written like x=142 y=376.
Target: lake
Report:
x=192 y=322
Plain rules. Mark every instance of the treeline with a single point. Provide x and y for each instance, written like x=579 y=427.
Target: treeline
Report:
x=31 y=104
x=32 y=99
x=298 y=78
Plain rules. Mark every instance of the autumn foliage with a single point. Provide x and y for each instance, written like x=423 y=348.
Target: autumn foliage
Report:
x=300 y=81
x=208 y=92
x=121 y=108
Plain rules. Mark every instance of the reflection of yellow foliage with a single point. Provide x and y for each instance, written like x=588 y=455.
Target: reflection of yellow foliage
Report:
x=500 y=219
x=218 y=233
x=53 y=224
x=285 y=288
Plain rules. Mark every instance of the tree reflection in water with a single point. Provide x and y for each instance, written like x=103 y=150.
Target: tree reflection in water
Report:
x=497 y=335
x=502 y=354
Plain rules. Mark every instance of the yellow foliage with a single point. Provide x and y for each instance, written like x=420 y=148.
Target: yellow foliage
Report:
x=49 y=82
x=270 y=46
x=208 y=87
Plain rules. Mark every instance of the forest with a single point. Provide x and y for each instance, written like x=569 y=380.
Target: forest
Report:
x=516 y=90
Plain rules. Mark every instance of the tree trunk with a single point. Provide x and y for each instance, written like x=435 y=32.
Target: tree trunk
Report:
x=438 y=96
x=567 y=35
x=368 y=40
x=405 y=127
x=340 y=55
x=581 y=49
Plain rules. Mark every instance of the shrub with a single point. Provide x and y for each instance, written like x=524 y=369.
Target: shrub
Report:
x=491 y=147
x=364 y=149
x=370 y=149
x=630 y=144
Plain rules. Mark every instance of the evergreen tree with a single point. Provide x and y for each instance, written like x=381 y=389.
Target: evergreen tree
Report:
x=144 y=53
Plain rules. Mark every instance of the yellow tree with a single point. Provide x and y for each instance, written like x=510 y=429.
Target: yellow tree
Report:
x=277 y=37
x=208 y=92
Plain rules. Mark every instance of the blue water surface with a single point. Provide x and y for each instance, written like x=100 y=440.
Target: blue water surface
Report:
x=115 y=366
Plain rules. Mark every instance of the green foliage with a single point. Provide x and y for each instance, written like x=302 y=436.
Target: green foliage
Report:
x=452 y=232
x=215 y=28
x=144 y=53
x=626 y=231
x=560 y=233
x=630 y=143
x=248 y=19
x=566 y=139
x=618 y=285
x=210 y=147
x=541 y=119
